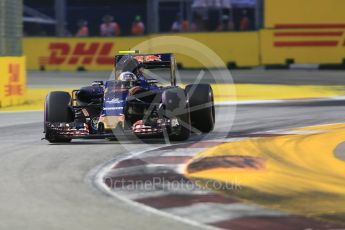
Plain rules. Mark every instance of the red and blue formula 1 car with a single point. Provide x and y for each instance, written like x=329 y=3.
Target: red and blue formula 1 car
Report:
x=142 y=100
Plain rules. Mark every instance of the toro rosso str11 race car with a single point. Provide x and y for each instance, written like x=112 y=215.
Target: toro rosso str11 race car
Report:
x=138 y=101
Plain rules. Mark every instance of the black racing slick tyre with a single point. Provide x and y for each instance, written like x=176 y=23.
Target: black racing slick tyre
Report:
x=201 y=102
x=176 y=107
x=57 y=109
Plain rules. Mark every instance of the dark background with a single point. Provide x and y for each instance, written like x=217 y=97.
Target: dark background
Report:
x=123 y=11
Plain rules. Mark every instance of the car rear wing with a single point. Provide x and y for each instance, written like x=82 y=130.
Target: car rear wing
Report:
x=150 y=61
x=153 y=61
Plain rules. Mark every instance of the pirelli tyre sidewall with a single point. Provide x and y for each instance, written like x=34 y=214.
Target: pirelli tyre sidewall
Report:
x=57 y=109
x=201 y=102
x=176 y=106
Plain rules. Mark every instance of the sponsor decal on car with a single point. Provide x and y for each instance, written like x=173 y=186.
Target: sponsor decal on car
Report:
x=148 y=58
x=113 y=108
x=115 y=101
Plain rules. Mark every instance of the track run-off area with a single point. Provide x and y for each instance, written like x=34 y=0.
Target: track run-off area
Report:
x=301 y=170
x=286 y=159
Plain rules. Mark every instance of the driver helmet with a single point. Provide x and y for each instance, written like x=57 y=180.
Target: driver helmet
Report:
x=127 y=77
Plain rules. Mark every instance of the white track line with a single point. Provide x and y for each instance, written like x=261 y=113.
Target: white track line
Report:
x=214 y=212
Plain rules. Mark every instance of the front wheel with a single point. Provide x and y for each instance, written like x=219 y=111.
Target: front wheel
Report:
x=177 y=110
x=57 y=109
x=201 y=101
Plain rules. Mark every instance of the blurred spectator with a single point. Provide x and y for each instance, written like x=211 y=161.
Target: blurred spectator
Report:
x=109 y=28
x=226 y=4
x=177 y=24
x=200 y=17
x=181 y=25
x=227 y=17
x=83 y=30
x=200 y=22
x=208 y=14
x=186 y=26
x=244 y=22
x=244 y=3
x=138 y=27
x=226 y=24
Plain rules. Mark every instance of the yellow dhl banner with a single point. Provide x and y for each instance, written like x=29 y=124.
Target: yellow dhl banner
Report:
x=308 y=46
x=248 y=49
x=305 y=14
x=303 y=32
x=97 y=54
x=73 y=53
x=12 y=81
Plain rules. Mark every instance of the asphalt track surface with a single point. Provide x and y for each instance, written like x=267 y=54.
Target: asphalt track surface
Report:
x=284 y=77
x=45 y=186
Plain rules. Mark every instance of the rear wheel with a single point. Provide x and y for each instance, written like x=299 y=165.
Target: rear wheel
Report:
x=177 y=109
x=57 y=109
x=200 y=97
